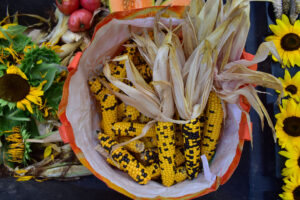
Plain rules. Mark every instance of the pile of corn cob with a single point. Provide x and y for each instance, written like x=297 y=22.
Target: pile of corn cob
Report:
x=170 y=152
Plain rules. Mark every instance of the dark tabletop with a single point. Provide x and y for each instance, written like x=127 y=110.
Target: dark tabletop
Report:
x=256 y=178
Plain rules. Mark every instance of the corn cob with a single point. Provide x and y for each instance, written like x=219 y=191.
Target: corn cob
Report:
x=150 y=142
x=109 y=112
x=180 y=174
x=192 y=138
x=166 y=151
x=154 y=170
x=108 y=104
x=126 y=161
x=213 y=124
x=179 y=157
x=131 y=129
x=135 y=146
x=149 y=156
x=131 y=113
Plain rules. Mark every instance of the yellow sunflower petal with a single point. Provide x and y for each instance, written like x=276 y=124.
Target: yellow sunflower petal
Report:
x=276 y=30
x=12 y=69
x=282 y=27
x=20 y=106
x=286 y=21
x=27 y=103
x=34 y=99
x=287 y=76
x=296 y=29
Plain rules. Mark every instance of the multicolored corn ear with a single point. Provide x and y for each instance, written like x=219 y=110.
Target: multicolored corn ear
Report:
x=109 y=112
x=131 y=113
x=135 y=146
x=166 y=151
x=213 y=125
x=192 y=138
x=180 y=174
x=108 y=104
x=125 y=160
x=131 y=129
x=149 y=156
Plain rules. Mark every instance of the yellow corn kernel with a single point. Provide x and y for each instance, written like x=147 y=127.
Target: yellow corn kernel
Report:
x=166 y=151
x=192 y=138
x=213 y=125
x=121 y=111
x=131 y=129
x=180 y=174
x=150 y=142
x=135 y=146
x=179 y=157
x=149 y=156
x=131 y=113
x=126 y=161
x=154 y=170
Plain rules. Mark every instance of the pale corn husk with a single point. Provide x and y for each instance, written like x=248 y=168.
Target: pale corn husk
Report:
x=214 y=36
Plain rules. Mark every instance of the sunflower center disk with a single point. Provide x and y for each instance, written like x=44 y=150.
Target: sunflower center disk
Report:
x=299 y=161
x=296 y=193
x=292 y=89
x=13 y=88
x=290 y=42
x=291 y=126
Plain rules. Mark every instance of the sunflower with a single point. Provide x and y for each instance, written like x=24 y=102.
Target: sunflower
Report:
x=291 y=188
x=286 y=40
x=291 y=85
x=293 y=162
x=18 y=149
x=288 y=123
x=15 y=88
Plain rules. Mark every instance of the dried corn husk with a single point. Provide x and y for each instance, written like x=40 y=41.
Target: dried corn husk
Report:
x=215 y=35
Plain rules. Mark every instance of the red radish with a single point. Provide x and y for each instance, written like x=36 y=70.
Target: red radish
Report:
x=67 y=6
x=80 y=20
x=90 y=5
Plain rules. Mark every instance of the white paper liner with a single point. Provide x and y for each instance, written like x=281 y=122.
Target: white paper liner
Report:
x=84 y=119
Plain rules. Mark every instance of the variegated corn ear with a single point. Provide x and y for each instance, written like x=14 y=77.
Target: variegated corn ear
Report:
x=166 y=151
x=192 y=137
x=213 y=125
x=125 y=160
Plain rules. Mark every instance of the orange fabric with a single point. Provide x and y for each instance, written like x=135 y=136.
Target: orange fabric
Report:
x=122 y=5
x=177 y=2
x=68 y=135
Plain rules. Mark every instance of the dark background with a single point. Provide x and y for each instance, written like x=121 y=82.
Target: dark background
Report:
x=256 y=178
